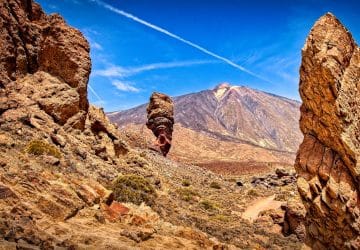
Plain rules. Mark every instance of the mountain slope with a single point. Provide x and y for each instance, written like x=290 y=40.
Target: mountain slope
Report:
x=232 y=113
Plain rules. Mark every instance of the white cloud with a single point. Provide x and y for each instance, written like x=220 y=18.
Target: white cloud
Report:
x=89 y=34
x=124 y=86
x=89 y=30
x=95 y=45
x=111 y=71
x=118 y=71
x=53 y=6
x=117 y=74
x=75 y=2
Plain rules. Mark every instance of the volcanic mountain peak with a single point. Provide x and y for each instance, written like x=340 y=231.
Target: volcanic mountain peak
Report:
x=221 y=89
x=223 y=85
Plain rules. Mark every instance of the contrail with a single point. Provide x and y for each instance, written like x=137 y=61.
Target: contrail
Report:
x=168 y=33
x=95 y=94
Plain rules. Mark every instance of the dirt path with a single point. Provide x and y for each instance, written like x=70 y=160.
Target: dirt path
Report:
x=259 y=205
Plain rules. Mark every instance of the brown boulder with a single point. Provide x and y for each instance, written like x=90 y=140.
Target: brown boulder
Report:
x=328 y=160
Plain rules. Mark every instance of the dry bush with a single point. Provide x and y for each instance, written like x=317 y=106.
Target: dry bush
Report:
x=215 y=185
x=38 y=147
x=208 y=205
x=185 y=183
x=135 y=189
x=187 y=194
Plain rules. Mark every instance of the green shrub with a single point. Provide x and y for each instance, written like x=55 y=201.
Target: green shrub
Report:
x=208 y=205
x=187 y=194
x=185 y=183
x=38 y=147
x=135 y=189
x=215 y=185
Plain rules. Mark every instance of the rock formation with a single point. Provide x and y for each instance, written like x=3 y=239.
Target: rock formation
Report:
x=43 y=51
x=281 y=177
x=328 y=160
x=160 y=115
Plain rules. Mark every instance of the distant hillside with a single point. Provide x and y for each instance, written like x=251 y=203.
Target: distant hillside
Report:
x=232 y=113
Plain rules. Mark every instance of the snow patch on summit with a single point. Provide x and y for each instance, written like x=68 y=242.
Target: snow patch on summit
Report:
x=220 y=90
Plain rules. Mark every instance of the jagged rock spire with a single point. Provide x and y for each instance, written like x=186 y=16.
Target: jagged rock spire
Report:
x=328 y=160
x=161 y=120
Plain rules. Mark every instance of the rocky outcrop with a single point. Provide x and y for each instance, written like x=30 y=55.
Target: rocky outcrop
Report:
x=328 y=160
x=281 y=177
x=160 y=114
x=42 y=58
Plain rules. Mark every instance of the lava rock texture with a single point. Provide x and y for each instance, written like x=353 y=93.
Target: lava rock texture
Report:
x=161 y=120
x=328 y=160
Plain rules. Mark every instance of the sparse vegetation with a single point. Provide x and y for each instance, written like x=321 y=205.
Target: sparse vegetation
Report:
x=187 y=194
x=215 y=185
x=221 y=218
x=185 y=183
x=252 y=192
x=208 y=205
x=134 y=160
x=39 y=147
x=135 y=189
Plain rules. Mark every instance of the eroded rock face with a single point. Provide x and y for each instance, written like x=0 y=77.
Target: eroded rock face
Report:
x=328 y=160
x=56 y=56
x=161 y=120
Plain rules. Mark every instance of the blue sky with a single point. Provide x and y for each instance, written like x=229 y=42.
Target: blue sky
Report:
x=183 y=46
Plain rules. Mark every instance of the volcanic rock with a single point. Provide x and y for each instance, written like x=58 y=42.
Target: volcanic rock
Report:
x=328 y=160
x=160 y=115
x=282 y=177
x=41 y=52
x=294 y=218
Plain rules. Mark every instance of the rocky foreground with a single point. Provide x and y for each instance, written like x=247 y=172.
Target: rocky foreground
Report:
x=68 y=180
x=328 y=159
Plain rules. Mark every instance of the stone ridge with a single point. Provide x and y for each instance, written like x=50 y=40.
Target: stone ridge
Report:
x=327 y=162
